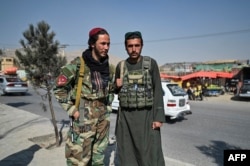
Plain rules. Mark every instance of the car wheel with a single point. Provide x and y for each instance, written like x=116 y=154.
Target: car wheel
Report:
x=2 y=93
x=23 y=93
x=167 y=118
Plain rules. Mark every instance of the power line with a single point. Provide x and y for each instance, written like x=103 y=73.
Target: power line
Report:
x=168 y=39
x=201 y=36
x=195 y=36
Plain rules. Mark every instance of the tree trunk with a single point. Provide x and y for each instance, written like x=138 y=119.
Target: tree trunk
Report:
x=53 y=119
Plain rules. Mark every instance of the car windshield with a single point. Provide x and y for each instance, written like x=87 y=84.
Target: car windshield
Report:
x=246 y=86
x=176 y=90
x=13 y=79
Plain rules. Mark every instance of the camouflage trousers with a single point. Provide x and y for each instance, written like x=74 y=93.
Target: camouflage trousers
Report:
x=90 y=140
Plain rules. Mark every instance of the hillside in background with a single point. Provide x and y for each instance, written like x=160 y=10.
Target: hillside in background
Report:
x=73 y=54
x=69 y=54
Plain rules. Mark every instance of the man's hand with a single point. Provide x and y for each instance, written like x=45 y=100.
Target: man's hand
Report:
x=76 y=115
x=118 y=82
x=156 y=125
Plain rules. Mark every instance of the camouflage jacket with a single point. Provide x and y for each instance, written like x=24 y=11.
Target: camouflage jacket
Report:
x=66 y=87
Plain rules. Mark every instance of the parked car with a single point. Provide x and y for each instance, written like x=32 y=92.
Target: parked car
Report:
x=245 y=89
x=176 y=103
x=12 y=84
x=213 y=90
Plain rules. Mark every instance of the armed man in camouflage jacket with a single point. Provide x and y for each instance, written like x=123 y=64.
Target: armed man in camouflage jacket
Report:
x=88 y=138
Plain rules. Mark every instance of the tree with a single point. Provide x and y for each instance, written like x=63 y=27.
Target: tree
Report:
x=39 y=57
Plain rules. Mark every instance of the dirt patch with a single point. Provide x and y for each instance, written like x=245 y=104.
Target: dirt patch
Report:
x=49 y=141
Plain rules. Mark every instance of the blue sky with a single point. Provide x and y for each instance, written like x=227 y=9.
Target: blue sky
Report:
x=173 y=30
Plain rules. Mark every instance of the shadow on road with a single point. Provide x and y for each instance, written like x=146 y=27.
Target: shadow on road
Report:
x=173 y=121
x=17 y=94
x=17 y=104
x=241 y=99
x=21 y=158
x=216 y=150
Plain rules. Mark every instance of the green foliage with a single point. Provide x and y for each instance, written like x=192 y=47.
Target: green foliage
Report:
x=40 y=59
x=39 y=56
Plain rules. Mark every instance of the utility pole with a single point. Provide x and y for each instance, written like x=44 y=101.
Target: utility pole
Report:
x=63 y=46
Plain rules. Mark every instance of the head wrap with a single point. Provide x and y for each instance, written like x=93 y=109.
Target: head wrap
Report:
x=94 y=31
x=135 y=34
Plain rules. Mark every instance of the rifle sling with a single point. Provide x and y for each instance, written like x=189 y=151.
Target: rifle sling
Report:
x=79 y=84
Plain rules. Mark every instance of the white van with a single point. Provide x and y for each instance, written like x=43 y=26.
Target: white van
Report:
x=176 y=103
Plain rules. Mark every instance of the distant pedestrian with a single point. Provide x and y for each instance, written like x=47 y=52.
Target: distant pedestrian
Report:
x=239 y=85
x=190 y=93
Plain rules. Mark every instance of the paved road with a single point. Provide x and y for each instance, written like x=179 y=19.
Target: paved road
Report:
x=217 y=123
x=199 y=139
x=18 y=126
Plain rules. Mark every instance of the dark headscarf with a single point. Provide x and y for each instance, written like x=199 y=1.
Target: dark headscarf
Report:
x=133 y=35
x=99 y=70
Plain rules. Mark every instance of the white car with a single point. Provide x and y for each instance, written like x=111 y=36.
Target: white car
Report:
x=12 y=85
x=176 y=103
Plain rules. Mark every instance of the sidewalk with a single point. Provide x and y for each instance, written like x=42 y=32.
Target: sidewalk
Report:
x=221 y=98
x=18 y=126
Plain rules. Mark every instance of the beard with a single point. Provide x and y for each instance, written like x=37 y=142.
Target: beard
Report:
x=101 y=55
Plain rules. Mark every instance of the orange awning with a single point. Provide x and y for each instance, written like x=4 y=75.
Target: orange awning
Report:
x=10 y=70
x=225 y=74
x=209 y=74
x=165 y=76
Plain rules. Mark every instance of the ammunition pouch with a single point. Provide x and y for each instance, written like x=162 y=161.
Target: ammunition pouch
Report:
x=95 y=103
x=82 y=128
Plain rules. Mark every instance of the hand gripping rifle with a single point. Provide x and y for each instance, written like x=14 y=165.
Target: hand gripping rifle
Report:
x=78 y=96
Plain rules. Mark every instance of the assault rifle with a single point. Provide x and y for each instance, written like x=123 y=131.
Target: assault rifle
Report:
x=71 y=128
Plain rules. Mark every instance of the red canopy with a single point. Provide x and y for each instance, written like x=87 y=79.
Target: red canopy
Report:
x=165 y=76
x=10 y=70
x=210 y=74
x=225 y=75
